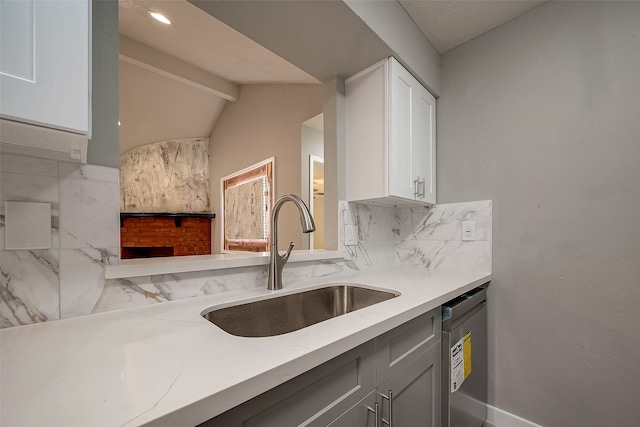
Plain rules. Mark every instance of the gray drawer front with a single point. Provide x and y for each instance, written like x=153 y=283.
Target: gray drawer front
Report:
x=404 y=344
x=313 y=399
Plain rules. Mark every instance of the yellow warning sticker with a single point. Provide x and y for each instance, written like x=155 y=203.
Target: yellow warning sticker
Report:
x=466 y=351
x=460 y=362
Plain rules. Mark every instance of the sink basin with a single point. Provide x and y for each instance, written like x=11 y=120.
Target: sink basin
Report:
x=288 y=313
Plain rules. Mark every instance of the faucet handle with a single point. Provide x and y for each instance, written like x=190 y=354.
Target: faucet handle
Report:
x=286 y=255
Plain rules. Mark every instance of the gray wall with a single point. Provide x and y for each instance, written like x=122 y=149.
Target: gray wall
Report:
x=542 y=116
x=394 y=26
x=104 y=146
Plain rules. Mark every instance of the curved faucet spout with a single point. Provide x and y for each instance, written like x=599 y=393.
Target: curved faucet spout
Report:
x=277 y=261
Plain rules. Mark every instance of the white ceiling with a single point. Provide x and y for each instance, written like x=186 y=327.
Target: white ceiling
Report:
x=448 y=24
x=197 y=38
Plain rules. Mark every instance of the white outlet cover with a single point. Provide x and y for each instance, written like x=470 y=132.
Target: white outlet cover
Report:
x=468 y=230
x=27 y=225
x=350 y=235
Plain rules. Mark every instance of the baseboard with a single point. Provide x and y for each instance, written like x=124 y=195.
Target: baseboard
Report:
x=496 y=417
x=499 y=418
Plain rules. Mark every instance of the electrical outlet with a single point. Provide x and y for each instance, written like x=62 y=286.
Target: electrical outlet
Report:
x=350 y=235
x=468 y=230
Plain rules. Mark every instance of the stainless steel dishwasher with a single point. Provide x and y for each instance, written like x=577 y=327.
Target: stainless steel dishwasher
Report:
x=464 y=360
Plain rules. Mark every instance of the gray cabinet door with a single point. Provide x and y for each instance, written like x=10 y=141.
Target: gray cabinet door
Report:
x=412 y=396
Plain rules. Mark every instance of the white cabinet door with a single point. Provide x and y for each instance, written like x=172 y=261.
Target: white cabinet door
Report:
x=403 y=155
x=424 y=137
x=44 y=63
x=412 y=137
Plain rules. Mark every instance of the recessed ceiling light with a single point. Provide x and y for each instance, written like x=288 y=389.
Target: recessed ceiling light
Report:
x=160 y=17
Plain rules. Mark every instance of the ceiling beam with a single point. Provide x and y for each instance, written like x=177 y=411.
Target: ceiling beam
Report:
x=169 y=66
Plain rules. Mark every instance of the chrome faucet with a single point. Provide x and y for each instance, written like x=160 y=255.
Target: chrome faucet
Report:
x=277 y=261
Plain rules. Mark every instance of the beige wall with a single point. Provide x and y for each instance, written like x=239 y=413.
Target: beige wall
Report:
x=156 y=108
x=264 y=122
x=541 y=115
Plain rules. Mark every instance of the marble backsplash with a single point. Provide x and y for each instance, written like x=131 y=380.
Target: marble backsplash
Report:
x=84 y=238
x=146 y=290
x=69 y=278
x=430 y=237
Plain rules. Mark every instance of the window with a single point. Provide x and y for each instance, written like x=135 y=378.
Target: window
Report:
x=247 y=199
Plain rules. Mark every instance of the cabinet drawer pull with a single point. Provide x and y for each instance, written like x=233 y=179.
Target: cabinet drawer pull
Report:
x=389 y=422
x=376 y=414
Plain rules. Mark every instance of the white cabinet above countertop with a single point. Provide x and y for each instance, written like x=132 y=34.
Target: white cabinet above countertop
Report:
x=391 y=137
x=45 y=67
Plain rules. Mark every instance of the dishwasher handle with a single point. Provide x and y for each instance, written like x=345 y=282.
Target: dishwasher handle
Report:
x=457 y=307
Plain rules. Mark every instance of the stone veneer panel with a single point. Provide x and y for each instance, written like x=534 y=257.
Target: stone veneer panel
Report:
x=167 y=176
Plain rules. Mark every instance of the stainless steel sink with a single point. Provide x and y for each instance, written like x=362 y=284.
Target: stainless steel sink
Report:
x=288 y=313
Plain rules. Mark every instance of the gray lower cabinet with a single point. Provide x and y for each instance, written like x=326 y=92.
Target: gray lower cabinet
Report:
x=396 y=375
x=409 y=399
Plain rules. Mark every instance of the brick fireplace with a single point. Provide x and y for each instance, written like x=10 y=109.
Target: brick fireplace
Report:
x=145 y=235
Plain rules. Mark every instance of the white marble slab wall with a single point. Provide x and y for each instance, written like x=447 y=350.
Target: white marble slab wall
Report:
x=419 y=236
x=378 y=234
x=89 y=234
x=45 y=284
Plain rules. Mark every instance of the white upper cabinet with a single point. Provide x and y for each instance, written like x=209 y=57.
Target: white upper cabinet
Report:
x=390 y=120
x=44 y=68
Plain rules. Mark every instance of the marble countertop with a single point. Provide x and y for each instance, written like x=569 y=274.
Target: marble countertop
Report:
x=165 y=365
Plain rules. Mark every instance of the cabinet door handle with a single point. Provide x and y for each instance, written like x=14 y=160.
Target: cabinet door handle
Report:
x=389 y=422
x=422 y=183
x=416 y=187
x=376 y=414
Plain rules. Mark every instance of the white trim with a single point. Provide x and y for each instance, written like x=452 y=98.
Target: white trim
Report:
x=312 y=159
x=500 y=418
x=42 y=142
